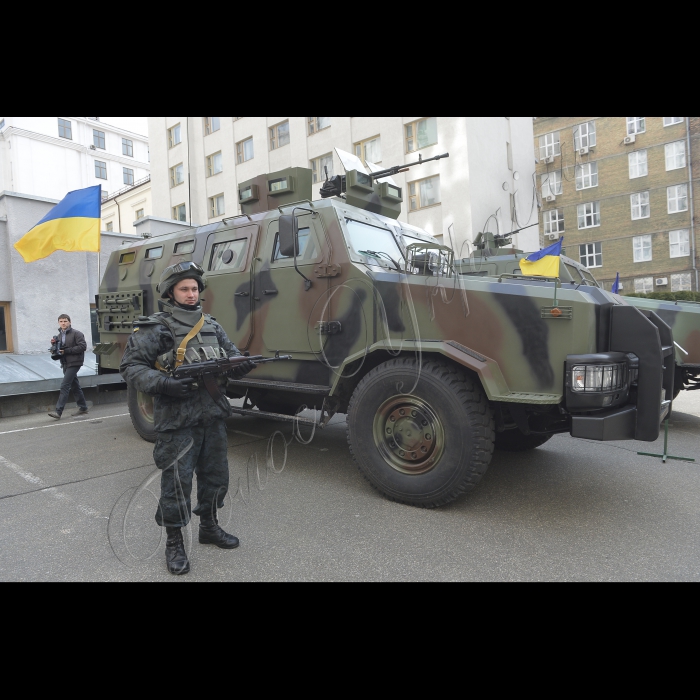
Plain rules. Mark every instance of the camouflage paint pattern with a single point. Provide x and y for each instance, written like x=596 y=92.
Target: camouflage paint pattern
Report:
x=345 y=311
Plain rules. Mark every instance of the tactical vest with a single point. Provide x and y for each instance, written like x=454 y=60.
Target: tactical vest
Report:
x=203 y=346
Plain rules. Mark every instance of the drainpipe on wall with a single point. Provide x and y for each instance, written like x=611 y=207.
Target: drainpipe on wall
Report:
x=692 y=206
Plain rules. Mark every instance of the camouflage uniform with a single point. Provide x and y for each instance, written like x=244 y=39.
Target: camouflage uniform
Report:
x=191 y=431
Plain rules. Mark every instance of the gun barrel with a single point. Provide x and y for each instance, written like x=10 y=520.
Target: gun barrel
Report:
x=402 y=168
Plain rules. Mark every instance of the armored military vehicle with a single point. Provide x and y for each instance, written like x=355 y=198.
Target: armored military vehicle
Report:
x=494 y=256
x=434 y=369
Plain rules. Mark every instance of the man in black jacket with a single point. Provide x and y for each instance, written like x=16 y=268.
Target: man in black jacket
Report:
x=72 y=347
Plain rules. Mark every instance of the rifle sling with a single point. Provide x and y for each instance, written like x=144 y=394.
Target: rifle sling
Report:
x=183 y=346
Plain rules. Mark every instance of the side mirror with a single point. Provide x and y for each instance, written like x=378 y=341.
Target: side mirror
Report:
x=289 y=236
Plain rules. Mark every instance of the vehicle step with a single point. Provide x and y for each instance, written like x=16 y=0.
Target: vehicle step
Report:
x=284 y=386
x=273 y=416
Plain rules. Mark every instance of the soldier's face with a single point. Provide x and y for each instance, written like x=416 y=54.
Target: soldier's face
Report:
x=187 y=293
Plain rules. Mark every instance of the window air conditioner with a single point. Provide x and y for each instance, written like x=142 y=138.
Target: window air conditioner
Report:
x=662 y=282
x=553 y=236
x=551 y=198
x=629 y=140
x=549 y=160
x=584 y=151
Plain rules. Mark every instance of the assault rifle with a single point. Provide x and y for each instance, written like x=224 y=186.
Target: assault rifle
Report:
x=207 y=372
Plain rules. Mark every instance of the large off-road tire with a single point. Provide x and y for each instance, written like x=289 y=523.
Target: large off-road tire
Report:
x=516 y=441
x=141 y=411
x=426 y=448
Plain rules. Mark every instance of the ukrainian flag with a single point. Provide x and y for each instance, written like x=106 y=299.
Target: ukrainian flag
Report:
x=72 y=225
x=546 y=263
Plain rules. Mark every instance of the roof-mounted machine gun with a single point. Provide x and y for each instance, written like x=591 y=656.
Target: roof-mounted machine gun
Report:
x=370 y=188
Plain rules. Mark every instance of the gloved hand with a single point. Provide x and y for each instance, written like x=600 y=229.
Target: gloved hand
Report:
x=177 y=388
x=243 y=370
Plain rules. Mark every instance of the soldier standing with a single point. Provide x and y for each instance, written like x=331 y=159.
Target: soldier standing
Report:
x=189 y=420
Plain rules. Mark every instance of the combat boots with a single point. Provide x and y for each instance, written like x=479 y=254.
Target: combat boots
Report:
x=175 y=554
x=211 y=533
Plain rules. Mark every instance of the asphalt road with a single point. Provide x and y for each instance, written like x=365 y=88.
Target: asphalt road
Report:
x=77 y=501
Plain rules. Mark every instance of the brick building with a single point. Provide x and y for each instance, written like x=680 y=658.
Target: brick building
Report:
x=619 y=190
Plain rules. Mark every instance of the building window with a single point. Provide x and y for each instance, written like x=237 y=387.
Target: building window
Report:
x=675 y=155
x=645 y=285
x=216 y=206
x=177 y=175
x=642 y=249
x=589 y=215
x=180 y=212
x=128 y=148
x=424 y=193
x=100 y=170
x=369 y=150
x=586 y=176
x=319 y=167
x=680 y=243
x=215 y=164
x=99 y=139
x=552 y=185
x=641 y=208
x=636 y=125
x=670 y=121
x=554 y=221
x=677 y=199
x=421 y=134
x=682 y=282
x=109 y=227
x=128 y=176
x=279 y=136
x=550 y=145
x=211 y=124
x=585 y=136
x=140 y=214
x=5 y=331
x=65 y=129
x=175 y=136
x=245 y=151
x=591 y=255
x=639 y=164
x=317 y=124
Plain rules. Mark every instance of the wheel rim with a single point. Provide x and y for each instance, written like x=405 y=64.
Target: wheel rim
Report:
x=409 y=435
x=145 y=404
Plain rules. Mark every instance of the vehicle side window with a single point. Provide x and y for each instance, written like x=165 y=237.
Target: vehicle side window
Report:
x=230 y=256
x=307 y=247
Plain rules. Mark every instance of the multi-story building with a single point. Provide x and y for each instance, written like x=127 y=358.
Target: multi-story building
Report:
x=123 y=210
x=41 y=160
x=487 y=183
x=620 y=191
x=50 y=156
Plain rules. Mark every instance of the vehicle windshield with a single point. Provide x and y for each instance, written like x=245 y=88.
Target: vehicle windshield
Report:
x=375 y=244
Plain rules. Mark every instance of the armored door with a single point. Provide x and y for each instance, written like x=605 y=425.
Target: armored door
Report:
x=289 y=313
x=229 y=298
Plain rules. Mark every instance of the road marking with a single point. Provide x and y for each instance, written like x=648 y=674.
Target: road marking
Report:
x=63 y=425
x=49 y=491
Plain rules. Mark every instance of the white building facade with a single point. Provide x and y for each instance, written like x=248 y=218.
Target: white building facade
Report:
x=51 y=156
x=487 y=184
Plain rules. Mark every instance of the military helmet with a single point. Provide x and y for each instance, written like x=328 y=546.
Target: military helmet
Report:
x=177 y=273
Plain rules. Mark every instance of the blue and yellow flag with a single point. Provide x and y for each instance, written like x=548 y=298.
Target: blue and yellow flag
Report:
x=546 y=263
x=73 y=225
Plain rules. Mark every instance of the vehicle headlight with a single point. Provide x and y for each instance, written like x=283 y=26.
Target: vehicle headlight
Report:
x=598 y=378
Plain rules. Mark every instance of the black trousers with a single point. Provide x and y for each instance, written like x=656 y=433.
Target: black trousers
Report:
x=202 y=450
x=70 y=382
